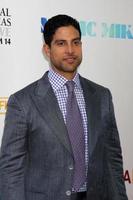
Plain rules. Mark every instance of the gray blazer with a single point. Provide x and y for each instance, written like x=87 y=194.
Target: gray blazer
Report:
x=36 y=158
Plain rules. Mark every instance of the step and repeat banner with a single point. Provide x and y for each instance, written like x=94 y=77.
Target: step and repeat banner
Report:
x=107 y=36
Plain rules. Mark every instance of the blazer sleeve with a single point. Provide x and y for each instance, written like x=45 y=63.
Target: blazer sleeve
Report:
x=114 y=176
x=13 y=152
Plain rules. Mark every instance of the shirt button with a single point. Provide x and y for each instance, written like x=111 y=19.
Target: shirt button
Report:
x=71 y=167
x=68 y=192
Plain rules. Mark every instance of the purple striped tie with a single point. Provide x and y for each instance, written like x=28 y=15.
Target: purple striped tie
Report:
x=76 y=136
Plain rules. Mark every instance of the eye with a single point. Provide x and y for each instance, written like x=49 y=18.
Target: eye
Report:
x=60 y=43
x=77 y=42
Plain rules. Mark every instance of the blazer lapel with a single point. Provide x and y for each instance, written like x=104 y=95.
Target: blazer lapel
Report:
x=93 y=114
x=47 y=105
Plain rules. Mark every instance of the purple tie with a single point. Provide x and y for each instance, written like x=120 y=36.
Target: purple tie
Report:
x=76 y=136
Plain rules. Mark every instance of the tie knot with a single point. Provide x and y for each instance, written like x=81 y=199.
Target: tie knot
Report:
x=70 y=86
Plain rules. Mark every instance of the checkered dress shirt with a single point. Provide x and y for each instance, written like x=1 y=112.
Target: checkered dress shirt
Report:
x=58 y=84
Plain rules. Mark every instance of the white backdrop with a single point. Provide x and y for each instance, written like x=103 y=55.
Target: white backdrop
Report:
x=107 y=45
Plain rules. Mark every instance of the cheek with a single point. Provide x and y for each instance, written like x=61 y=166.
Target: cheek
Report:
x=78 y=51
x=56 y=54
x=80 y=54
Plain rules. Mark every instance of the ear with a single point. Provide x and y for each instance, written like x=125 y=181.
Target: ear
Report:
x=46 y=50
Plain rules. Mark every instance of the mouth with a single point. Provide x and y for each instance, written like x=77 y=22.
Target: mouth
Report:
x=70 y=59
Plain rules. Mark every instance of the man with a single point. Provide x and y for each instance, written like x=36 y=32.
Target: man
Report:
x=60 y=138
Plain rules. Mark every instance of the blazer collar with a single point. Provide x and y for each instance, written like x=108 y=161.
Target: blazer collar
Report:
x=93 y=112
x=47 y=105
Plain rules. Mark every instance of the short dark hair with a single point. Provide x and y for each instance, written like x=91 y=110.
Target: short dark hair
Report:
x=56 y=22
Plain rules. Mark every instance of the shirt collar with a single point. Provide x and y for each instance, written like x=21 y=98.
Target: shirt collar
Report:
x=57 y=81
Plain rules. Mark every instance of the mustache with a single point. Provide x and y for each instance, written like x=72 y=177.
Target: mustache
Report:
x=70 y=57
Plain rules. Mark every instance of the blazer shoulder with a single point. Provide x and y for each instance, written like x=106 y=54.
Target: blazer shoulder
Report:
x=93 y=86
x=24 y=96
x=21 y=99
x=26 y=91
x=31 y=88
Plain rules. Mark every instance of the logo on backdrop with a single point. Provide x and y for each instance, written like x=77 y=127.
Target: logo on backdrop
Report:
x=3 y=105
x=102 y=30
x=43 y=21
x=128 y=176
x=5 y=26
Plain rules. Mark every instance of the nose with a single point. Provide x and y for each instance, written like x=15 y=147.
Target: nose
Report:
x=70 y=48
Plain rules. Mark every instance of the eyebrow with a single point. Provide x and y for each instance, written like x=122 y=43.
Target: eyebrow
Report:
x=62 y=40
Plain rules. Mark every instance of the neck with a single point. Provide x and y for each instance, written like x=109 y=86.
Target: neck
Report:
x=67 y=75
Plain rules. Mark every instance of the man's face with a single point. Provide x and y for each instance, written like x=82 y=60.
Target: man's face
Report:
x=65 y=52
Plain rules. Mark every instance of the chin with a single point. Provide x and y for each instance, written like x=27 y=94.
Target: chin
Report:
x=70 y=69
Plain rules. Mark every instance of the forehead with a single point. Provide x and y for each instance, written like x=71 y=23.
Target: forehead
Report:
x=66 y=32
